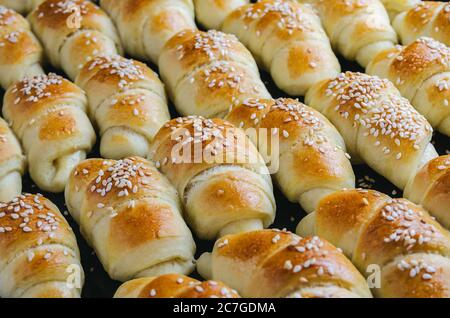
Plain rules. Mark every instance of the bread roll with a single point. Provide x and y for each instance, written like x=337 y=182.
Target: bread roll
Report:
x=211 y=13
x=219 y=174
x=357 y=29
x=48 y=115
x=73 y=32
x=146 y=25
x=288 y=40
x=274 y=264
x=12 y=164
x=20 y=51
x=39 y=256
x=395 y=7
x=21 y=6
x=421 y=71
x=173 y=286
x=130 y=214
x=127 y=102
x=409 y=250
x=378 y=125
x=427 y=18
x=431 y=189
x=311 y=161
x=207 y=72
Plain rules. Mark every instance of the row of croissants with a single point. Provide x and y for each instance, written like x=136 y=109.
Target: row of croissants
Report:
x=137 y=205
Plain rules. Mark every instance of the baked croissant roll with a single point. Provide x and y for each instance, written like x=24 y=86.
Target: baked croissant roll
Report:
x=12 y=164
x=39 y=256
x=378 y=125
x=173 y=286
x=130 y=214
x=311 y=159
x=357 y=29
x=219 y=174
x=20 y=51
x=21 y=6
x=410 y=249
x=395 y=7
x=127 y=102
x=207 y=72
x=431 y=189
x=276 y=264
x=73 y=32
x=427 y=18
x=212 y=13
x=48 y=115
x=146 y=25
x=421 y=71
x=286 y=38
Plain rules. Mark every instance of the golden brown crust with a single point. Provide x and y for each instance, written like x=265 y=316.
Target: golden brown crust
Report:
x=56 y=21
x=174 y=286
x=312 y=153
x=48 y=115
x=281 y=264
x=354 y=19
x=127 y=101
x=207 y=72
x=431 y=188
x=31 y=97
x=196 y=48
x=37 y=246
x=20 y=51
x=427 y=18
x=420 y=72
x=210 y=135
x=146 y=25
x=375 y=229
x=218 y=172
x=211 y=13
x=377 y=124
x=126 y=208
x=105 y=76
x=288 y=40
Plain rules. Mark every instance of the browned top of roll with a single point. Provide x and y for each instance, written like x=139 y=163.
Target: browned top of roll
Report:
x=55 y=13
x=30 y=221
x=175 y=286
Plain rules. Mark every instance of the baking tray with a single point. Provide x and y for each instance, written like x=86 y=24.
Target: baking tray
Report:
x=97 y=282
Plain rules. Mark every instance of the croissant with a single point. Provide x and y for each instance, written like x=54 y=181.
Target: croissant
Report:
x=173 y=286
x=48 y=115
x=39 y=256
x=130 y=214
x=275 y=264
x=73 y=32
x=212 y=13
x=20 y=51
x=21 y=6
x=207 y=72
x=357 y=29
x=12 y=164
x=128 y=103
x=311 y=159
x=219 y=174
x=395 y=7
x=431 y=189
x=409 y=248
x=378 y=125
x=286 y=38
x=421 y=71
x=427 y=18
x=146 y=25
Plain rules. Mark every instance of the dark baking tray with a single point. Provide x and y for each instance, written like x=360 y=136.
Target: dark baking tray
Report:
x=97 y=282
